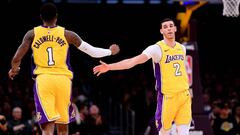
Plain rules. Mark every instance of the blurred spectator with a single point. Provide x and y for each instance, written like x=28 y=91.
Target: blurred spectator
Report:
x=225 y=124
x=79 y=126
x=73 y=127
x=236 y=111
x=220 y=92
x=33 y=122
x=6 y=108
x=206 y=103
x=3 y=125
x=215 y=111
x=96 y=124
x=18 y=126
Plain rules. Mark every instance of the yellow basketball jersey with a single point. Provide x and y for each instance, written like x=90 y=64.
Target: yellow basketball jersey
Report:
x=50 y=51
x=173 y=77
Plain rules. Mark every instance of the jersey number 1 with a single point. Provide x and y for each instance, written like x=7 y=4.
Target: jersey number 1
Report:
x=50 y=56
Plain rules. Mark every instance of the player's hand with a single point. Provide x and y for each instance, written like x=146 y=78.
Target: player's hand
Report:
x=114 y=49
x=13 y=72
x=100 y=68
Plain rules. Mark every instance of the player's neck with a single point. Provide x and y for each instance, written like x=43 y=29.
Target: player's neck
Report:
x=49 y=24
x=170 y=42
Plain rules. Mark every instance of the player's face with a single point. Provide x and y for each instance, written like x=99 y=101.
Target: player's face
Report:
x=168 y=29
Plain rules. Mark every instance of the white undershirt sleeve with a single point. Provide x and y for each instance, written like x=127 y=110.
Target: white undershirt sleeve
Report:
x=154 y=52
x=184 y=49
x=95 y=52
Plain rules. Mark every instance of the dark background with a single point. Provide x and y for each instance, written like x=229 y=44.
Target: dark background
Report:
x=133 y=27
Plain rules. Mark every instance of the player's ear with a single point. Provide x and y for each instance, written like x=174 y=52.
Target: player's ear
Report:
x=175 y=29
x=161 y=31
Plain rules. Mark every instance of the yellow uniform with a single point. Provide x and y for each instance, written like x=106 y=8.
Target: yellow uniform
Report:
x=50 y=51
x=52 y=90
x=174 y=100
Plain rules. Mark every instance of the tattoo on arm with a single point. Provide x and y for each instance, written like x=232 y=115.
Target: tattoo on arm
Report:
x=23 y=48
x=73 y=38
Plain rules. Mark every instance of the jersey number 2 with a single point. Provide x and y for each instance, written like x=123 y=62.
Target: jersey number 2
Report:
x=177 y=69
x=50 y=56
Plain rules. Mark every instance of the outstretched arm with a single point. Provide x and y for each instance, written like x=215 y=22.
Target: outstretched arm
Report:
x=96 y=52
x=124 y=64
x=21 y=51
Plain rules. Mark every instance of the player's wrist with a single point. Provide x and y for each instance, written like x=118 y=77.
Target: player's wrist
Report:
x=109 y=67
x=110 y=52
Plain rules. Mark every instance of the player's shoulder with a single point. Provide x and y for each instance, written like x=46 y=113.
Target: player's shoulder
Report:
x=30 y=31
x=30 y=34
x=159 y=42
x=154 y=48
x=181 y=45
x=61 y=27
x=69 y=32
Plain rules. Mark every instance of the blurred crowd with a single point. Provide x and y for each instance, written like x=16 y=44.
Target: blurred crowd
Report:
x=133 y=89
x=221 y=97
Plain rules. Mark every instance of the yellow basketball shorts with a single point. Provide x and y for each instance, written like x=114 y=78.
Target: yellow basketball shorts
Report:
x=52 y=95
x=175 y=108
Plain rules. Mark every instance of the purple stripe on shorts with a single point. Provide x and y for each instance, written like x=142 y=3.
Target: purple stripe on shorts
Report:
x=41 y=117
x=71 y=112
x=158 y=113
x=33 y=66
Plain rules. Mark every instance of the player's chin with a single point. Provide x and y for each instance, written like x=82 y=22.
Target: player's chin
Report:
x=171 y=37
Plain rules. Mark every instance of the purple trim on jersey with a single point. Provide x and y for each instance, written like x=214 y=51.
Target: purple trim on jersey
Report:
x=68 y=60
x=158 y=77
x=158 y=113
x=39 y=110
x=33 y=66
x=49 y=26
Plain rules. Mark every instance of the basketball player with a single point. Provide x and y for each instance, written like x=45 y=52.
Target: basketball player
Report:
x=52 y=71
x=173 y=100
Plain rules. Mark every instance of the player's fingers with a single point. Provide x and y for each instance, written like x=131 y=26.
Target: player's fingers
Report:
x=95 y=72
x=96 y=68
x=98 y=73
x=11 y=76
x=103 y=63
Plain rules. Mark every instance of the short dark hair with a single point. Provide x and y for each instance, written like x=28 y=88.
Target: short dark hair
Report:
x=48 y=11
x=166 y=20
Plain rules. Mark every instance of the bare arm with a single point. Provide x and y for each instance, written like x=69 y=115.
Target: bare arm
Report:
x=95 y=52
x=21 y=51
x=121 y=65
x=73 y=38
x=129 y=63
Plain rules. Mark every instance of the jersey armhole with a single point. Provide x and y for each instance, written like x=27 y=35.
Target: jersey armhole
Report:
x=161 y=52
